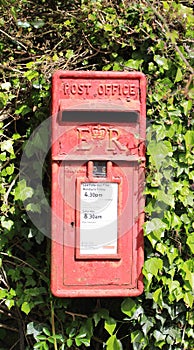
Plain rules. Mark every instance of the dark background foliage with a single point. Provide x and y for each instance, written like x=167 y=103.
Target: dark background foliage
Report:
x=155 y=37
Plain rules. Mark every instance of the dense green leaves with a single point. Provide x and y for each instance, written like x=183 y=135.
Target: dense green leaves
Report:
x=36 y=38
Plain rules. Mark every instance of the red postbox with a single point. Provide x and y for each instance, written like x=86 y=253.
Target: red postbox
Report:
x=98 y=163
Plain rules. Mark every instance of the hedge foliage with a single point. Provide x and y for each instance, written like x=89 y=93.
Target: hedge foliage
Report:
x=155 y=37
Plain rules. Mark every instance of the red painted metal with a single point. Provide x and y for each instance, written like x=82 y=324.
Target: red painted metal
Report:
x=97 y=117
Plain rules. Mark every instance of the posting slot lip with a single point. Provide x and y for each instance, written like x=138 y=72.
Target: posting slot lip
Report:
x=73 y=111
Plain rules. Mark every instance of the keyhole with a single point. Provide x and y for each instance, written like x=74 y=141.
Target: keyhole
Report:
x=72 y=224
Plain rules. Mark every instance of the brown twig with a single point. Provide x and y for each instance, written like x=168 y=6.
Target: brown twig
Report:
x=5 y=200
x=13 y=39
x=9 y=328
x=10 y=68
x=53 y=325
x=74 y=315
x=188 y=84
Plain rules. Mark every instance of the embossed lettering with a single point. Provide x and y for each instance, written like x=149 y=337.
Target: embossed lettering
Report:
x=114 y=135
x=66 y=88
x=83 y=136
x=87 y=86
x=117 y=89
x=88 y=135
x=132 y=89
x=74 y=89
x=98 y=132
x=106 y=89
x=101 y=89
x=125 y=89
x=114 y=89
x=80 y=89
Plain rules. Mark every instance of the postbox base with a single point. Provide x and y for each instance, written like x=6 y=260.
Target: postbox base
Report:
x=97 y=293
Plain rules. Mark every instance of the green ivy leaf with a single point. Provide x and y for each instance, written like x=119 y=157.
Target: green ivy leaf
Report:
x=34 y=328
x=6 y=223
x=26 y=307
x=78 y=341
x=179 y=75
x=189 y=140
x=41 y=337
x=46 y=331
x=161 y=61
x=85 y=341
x=191 y=93
x=35 y=208
x=22 y=191
x=110 y=325
x=173 y=36
x=6 y=86
x=113 y=343
x=69 y=342
x=7 y=146
x=157 y=297
x=81 y=335
x=3 y=157
x=31 y=74
x=137 y=338
x=69 y=54
x=23 y=24
x=3 y=293
x=3 y=99
x=148 y=323
x=9 y=303
x=155 y=225
x=187 y=105
x=128 y=307
x=166 y=198
x=101 y=314
x=153 y=265
x=158 y=151
x=189 y=299
x=172 y=254
x=134 y=64
x=23 y=110
x=160 y=338
x=175 y=290
x=108 y=27
x=10 y=169
x=190 y=242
